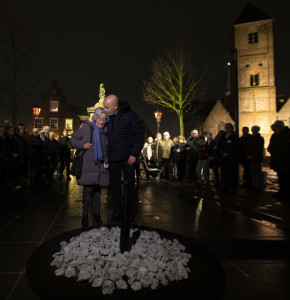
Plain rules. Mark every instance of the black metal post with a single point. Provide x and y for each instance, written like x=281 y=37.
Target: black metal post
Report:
x=236 y=90
x=125 y=225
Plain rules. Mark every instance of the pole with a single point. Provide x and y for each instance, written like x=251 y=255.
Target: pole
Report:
x=236 y=90
x=125 y=226
x=158 y=125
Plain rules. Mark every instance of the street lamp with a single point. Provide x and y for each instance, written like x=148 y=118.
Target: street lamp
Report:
x=36 y=111
x=158 y=115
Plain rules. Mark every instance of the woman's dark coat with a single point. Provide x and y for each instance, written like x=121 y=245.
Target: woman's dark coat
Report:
x=93 y=173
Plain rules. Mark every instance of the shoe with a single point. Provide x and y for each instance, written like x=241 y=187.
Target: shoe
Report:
x=97 y=219
x=85 y=220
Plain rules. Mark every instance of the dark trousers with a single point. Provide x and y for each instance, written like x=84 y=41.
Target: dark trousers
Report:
x=62 y=164
x=230 y=177
x=247 y=172
x=181 y=170
x=91 y=193
x=284 y=180
x=164 y=168
x=118 y=170
x=191 y=165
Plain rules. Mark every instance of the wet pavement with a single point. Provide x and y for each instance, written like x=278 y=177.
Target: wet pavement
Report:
x=248 y=232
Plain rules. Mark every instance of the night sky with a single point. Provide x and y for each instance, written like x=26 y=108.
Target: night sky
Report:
x=84 y=43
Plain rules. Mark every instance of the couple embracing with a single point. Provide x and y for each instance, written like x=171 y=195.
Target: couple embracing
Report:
x=110 y=145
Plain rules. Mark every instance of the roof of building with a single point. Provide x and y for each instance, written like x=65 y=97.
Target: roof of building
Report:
x=251 y=13
x=281 y=100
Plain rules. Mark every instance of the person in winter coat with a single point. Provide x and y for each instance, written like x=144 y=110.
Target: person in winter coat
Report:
x=91 y=142
x=202 y=169
x=165 y=146
x=35 y=155
x=279 y=148
x=228 y=150
x=126 y=138
x=64 y=155
x=179 y=157
x=51 y=156
x=192 y=156
x=254 y=151
x=13 y=153
x=247 y=181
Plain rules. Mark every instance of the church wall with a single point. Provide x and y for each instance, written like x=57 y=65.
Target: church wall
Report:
x=218 y=116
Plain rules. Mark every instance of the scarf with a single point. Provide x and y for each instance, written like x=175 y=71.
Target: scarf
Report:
x=100 y=145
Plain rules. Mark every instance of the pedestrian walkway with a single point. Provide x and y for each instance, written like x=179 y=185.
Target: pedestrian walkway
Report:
x=247 y=232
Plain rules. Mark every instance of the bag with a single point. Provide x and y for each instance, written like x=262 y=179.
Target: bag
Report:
x=77 y=165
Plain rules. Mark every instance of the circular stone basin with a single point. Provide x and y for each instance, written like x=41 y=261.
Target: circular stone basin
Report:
x=205 y=281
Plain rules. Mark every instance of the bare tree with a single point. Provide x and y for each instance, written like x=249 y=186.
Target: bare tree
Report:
x=20 y=80
x=174 y=83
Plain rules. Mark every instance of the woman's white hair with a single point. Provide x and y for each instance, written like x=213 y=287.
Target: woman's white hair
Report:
x=98 y=112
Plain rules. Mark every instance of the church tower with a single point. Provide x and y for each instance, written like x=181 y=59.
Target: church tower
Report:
x=255 y=70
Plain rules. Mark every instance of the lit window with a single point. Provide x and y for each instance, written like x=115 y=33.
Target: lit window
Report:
x=38 y=123
x=68 y=124
x=254 y=80
x=53 y=123
x=53 y=106
x=253 y=37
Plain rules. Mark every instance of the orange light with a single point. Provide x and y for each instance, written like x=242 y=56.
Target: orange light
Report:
x=158 y=115
x=36 y=111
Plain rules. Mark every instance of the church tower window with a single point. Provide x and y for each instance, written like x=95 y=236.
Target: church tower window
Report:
x=253 y=37
x=254 y=80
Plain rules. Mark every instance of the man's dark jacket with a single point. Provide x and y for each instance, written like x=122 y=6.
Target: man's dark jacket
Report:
x=126 y=134
x=279 y=149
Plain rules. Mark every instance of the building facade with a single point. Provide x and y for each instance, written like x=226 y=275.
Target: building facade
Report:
x=253 y=87
x=56 y=113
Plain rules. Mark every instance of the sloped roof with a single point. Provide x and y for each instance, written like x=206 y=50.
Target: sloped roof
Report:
x=251 y=13
x=280 y=102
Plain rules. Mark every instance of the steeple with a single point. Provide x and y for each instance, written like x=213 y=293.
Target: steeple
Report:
x=251 y=13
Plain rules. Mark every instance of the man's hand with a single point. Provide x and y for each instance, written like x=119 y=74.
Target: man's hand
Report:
x=87 y=145
x=131 y=160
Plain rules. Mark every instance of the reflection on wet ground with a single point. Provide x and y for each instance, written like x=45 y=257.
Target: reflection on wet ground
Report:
x=248 y=232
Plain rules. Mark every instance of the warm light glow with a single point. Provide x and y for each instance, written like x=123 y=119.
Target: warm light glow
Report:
x=156 y=217
x=36 y=111
x=158 y=115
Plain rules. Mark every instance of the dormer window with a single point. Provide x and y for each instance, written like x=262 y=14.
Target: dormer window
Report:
x=254 y=80
x=253 y=37
x=53 y=106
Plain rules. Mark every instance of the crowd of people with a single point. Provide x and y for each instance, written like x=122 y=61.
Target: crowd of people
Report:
x=113 y=149
x=31 y=157
x=195 y=157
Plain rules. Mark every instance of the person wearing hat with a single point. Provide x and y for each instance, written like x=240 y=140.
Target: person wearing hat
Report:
x=279 y=148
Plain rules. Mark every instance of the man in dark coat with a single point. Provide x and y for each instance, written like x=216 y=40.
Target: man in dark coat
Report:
x=126 y=138
x=64 y=155
x=228 y=149
x=192 y=155
x=51 y=156
x=255 y=154
x=243 y=157
x=36 y=156
x=279 y=149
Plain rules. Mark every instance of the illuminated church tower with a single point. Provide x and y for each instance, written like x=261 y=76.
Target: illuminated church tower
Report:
x=255 y=68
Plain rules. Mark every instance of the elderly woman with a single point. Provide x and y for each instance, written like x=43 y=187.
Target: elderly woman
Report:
x=91 y=140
